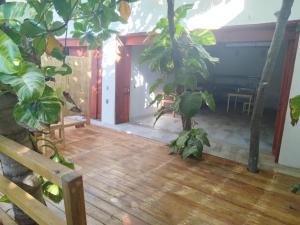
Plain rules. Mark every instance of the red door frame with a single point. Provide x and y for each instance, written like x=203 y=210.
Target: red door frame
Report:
x=240 y=33
x=81 y=50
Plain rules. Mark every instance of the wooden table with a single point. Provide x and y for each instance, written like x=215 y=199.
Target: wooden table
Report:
x=239 y=95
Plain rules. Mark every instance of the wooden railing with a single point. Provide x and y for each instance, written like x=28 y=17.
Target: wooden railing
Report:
x=70 y=181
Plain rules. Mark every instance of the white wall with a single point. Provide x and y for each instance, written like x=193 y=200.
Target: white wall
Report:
x=290 y=146
x=141 y=80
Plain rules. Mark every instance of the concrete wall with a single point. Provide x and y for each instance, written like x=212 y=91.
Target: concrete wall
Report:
x=145 y=14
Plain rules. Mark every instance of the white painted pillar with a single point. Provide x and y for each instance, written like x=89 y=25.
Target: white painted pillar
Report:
x=108 y=80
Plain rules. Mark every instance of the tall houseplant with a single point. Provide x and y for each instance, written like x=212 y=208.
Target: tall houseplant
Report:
x=28 y=102
x=180 y=59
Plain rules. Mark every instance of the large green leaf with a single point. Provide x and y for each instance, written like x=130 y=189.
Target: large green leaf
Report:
x=209 y=100
x=31 y=28
x=182 y=139
x=64 y=8
x=189 y=151
x=15 y=13
x=295 y=109
x=10 y=56
x=28 y=86
x=190 y=103
x=204 y=37
x=52 y=191
x=34 y=115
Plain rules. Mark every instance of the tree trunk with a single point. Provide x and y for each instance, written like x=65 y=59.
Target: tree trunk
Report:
x=186 y=123
x=177 y=60
x=14 y=171
x=282 y=19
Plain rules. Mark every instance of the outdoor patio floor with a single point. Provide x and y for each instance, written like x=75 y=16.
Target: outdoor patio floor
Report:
x=132 y=180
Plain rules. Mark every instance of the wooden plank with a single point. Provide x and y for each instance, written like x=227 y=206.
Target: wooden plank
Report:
x=32 y=207
x=34 y=161
x=74 y=199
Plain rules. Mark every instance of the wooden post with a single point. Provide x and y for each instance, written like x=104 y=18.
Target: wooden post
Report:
x=72 y=186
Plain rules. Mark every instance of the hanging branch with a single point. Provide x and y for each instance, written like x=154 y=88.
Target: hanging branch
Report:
x=282 y=19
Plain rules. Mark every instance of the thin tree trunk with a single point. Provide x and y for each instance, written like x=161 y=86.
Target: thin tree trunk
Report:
x=14 y=171
x=282 y=19
x=186 y=122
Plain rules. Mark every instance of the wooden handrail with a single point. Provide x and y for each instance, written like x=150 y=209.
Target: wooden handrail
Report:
x=70 y=181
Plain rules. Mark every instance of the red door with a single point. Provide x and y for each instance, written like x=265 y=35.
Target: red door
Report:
x=123 y=76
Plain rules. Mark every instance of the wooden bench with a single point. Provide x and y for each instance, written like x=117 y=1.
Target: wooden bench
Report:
x=67 y=179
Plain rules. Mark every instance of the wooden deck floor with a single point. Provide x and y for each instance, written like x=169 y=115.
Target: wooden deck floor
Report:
x=132 y=180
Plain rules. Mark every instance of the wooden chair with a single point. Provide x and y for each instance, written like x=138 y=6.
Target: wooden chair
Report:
x=67 y=179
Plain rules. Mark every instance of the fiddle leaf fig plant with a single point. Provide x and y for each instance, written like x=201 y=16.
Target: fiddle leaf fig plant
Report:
x=179 y=59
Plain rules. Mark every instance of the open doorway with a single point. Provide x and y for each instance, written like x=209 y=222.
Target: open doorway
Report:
x=242 y=51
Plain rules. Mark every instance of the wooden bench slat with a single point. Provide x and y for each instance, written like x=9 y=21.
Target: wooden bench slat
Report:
x=32 y=207
x=34 y=161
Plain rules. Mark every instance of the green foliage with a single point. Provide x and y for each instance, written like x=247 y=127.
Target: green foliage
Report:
x=295 y=188
x=295 y=109
x=190 y=143
x=5 y=199
x=27 y=31
x=194 y=57
x=295 y=115
x=10 y=56
x=52 y=191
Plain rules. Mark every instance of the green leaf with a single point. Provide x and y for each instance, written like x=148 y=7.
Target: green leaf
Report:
x=12 y=11
x=28 y=86
x=209 y=100
x=34 y=115
x=159 y=114
x=58 y=54
x=182 y=139
x=190 y=103
x=5 y=199
x=39 y=45
x=61 y=160
x=204 y=37
x=187 y=152
x=31 y=28
x=79 y=26
x=295 y=109
x=65 y=69
x=295 y=188
x=168 y=88
x=52 y=191
x=157 y=99
x=64 y=8
x=181 y=12
x=10 y=56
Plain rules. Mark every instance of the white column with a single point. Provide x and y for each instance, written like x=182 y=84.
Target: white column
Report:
x=108 y=80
